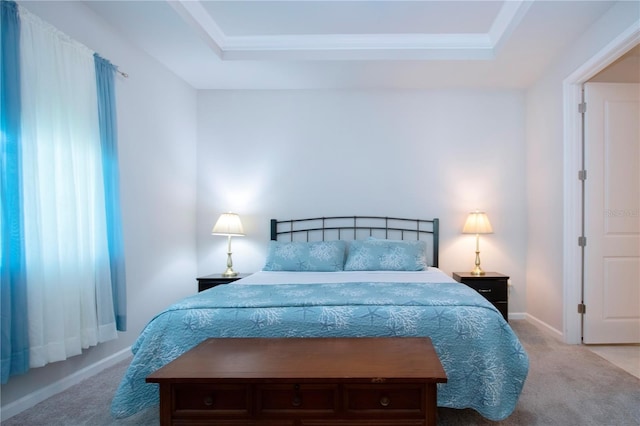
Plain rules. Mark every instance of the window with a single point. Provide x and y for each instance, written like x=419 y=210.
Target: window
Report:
x=62 y=256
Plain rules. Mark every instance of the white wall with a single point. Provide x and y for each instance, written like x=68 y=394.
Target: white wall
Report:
x=416 y=154
x=546 y=168
x=157 y=148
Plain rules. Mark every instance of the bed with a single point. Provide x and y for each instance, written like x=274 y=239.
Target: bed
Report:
x=346 y=276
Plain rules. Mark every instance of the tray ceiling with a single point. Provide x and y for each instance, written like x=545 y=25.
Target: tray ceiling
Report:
x=352 y=44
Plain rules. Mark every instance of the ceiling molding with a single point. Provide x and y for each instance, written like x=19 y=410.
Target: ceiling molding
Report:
x=360 y=47
x=507 y=21
x=202 y=23
x=353 y=46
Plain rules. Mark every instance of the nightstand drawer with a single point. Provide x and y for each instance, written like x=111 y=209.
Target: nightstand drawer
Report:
x=492 y=286
x=493 y=291
x=503 y=307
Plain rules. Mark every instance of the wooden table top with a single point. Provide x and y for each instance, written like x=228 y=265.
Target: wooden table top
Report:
x=383 y=359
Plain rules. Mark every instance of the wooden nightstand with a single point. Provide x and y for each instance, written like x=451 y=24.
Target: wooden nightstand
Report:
x=208 y=281
x=491 y=285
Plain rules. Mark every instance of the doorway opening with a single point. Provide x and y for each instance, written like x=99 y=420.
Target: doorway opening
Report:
x=572 y=150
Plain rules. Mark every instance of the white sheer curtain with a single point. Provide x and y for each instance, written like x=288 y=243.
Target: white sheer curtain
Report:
x=68 y=276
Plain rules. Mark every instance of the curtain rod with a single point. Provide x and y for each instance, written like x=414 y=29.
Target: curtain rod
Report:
x=22 y=9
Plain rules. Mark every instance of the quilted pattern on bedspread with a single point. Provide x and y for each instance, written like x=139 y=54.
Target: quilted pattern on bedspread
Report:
x=485 y=363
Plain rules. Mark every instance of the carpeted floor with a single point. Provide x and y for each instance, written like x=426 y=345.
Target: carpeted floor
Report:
x=567 y=385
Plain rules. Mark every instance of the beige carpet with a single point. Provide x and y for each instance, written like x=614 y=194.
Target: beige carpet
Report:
x=567 y=385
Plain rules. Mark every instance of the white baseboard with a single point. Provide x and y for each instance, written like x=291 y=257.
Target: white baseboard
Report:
x=543 y=325
x=28 y=401
x=517 y=315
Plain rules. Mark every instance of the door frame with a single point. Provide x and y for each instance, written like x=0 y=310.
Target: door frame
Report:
x=572 y=152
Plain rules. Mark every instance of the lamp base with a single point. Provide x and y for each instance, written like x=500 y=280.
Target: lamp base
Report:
x=229 y=273
x=477 y=271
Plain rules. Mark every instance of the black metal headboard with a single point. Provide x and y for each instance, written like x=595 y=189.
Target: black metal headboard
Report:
x=359 y=227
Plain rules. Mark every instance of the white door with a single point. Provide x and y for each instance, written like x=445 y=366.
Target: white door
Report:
x=612 y=213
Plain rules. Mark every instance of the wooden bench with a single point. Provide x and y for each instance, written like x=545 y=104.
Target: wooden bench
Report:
x=302 y=381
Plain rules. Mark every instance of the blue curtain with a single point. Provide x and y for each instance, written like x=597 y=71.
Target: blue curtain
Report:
x=109 y=143
x=14 y=341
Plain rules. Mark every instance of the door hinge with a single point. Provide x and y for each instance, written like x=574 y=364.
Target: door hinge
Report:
x=582 y=107
x=582 y=175
x=582 y=241
x=582 y=308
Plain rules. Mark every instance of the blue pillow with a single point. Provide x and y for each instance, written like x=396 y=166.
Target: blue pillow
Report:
x=386 y=255
x=316 y=256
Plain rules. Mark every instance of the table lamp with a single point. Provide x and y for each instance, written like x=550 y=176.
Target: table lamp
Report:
x=477 y=223
x=229 y=224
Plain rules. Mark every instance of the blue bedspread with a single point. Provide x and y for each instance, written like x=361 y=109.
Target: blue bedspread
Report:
x=485 y=363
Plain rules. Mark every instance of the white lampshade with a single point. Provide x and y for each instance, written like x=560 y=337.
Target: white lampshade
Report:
x=477 y=223
x=228 y=224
